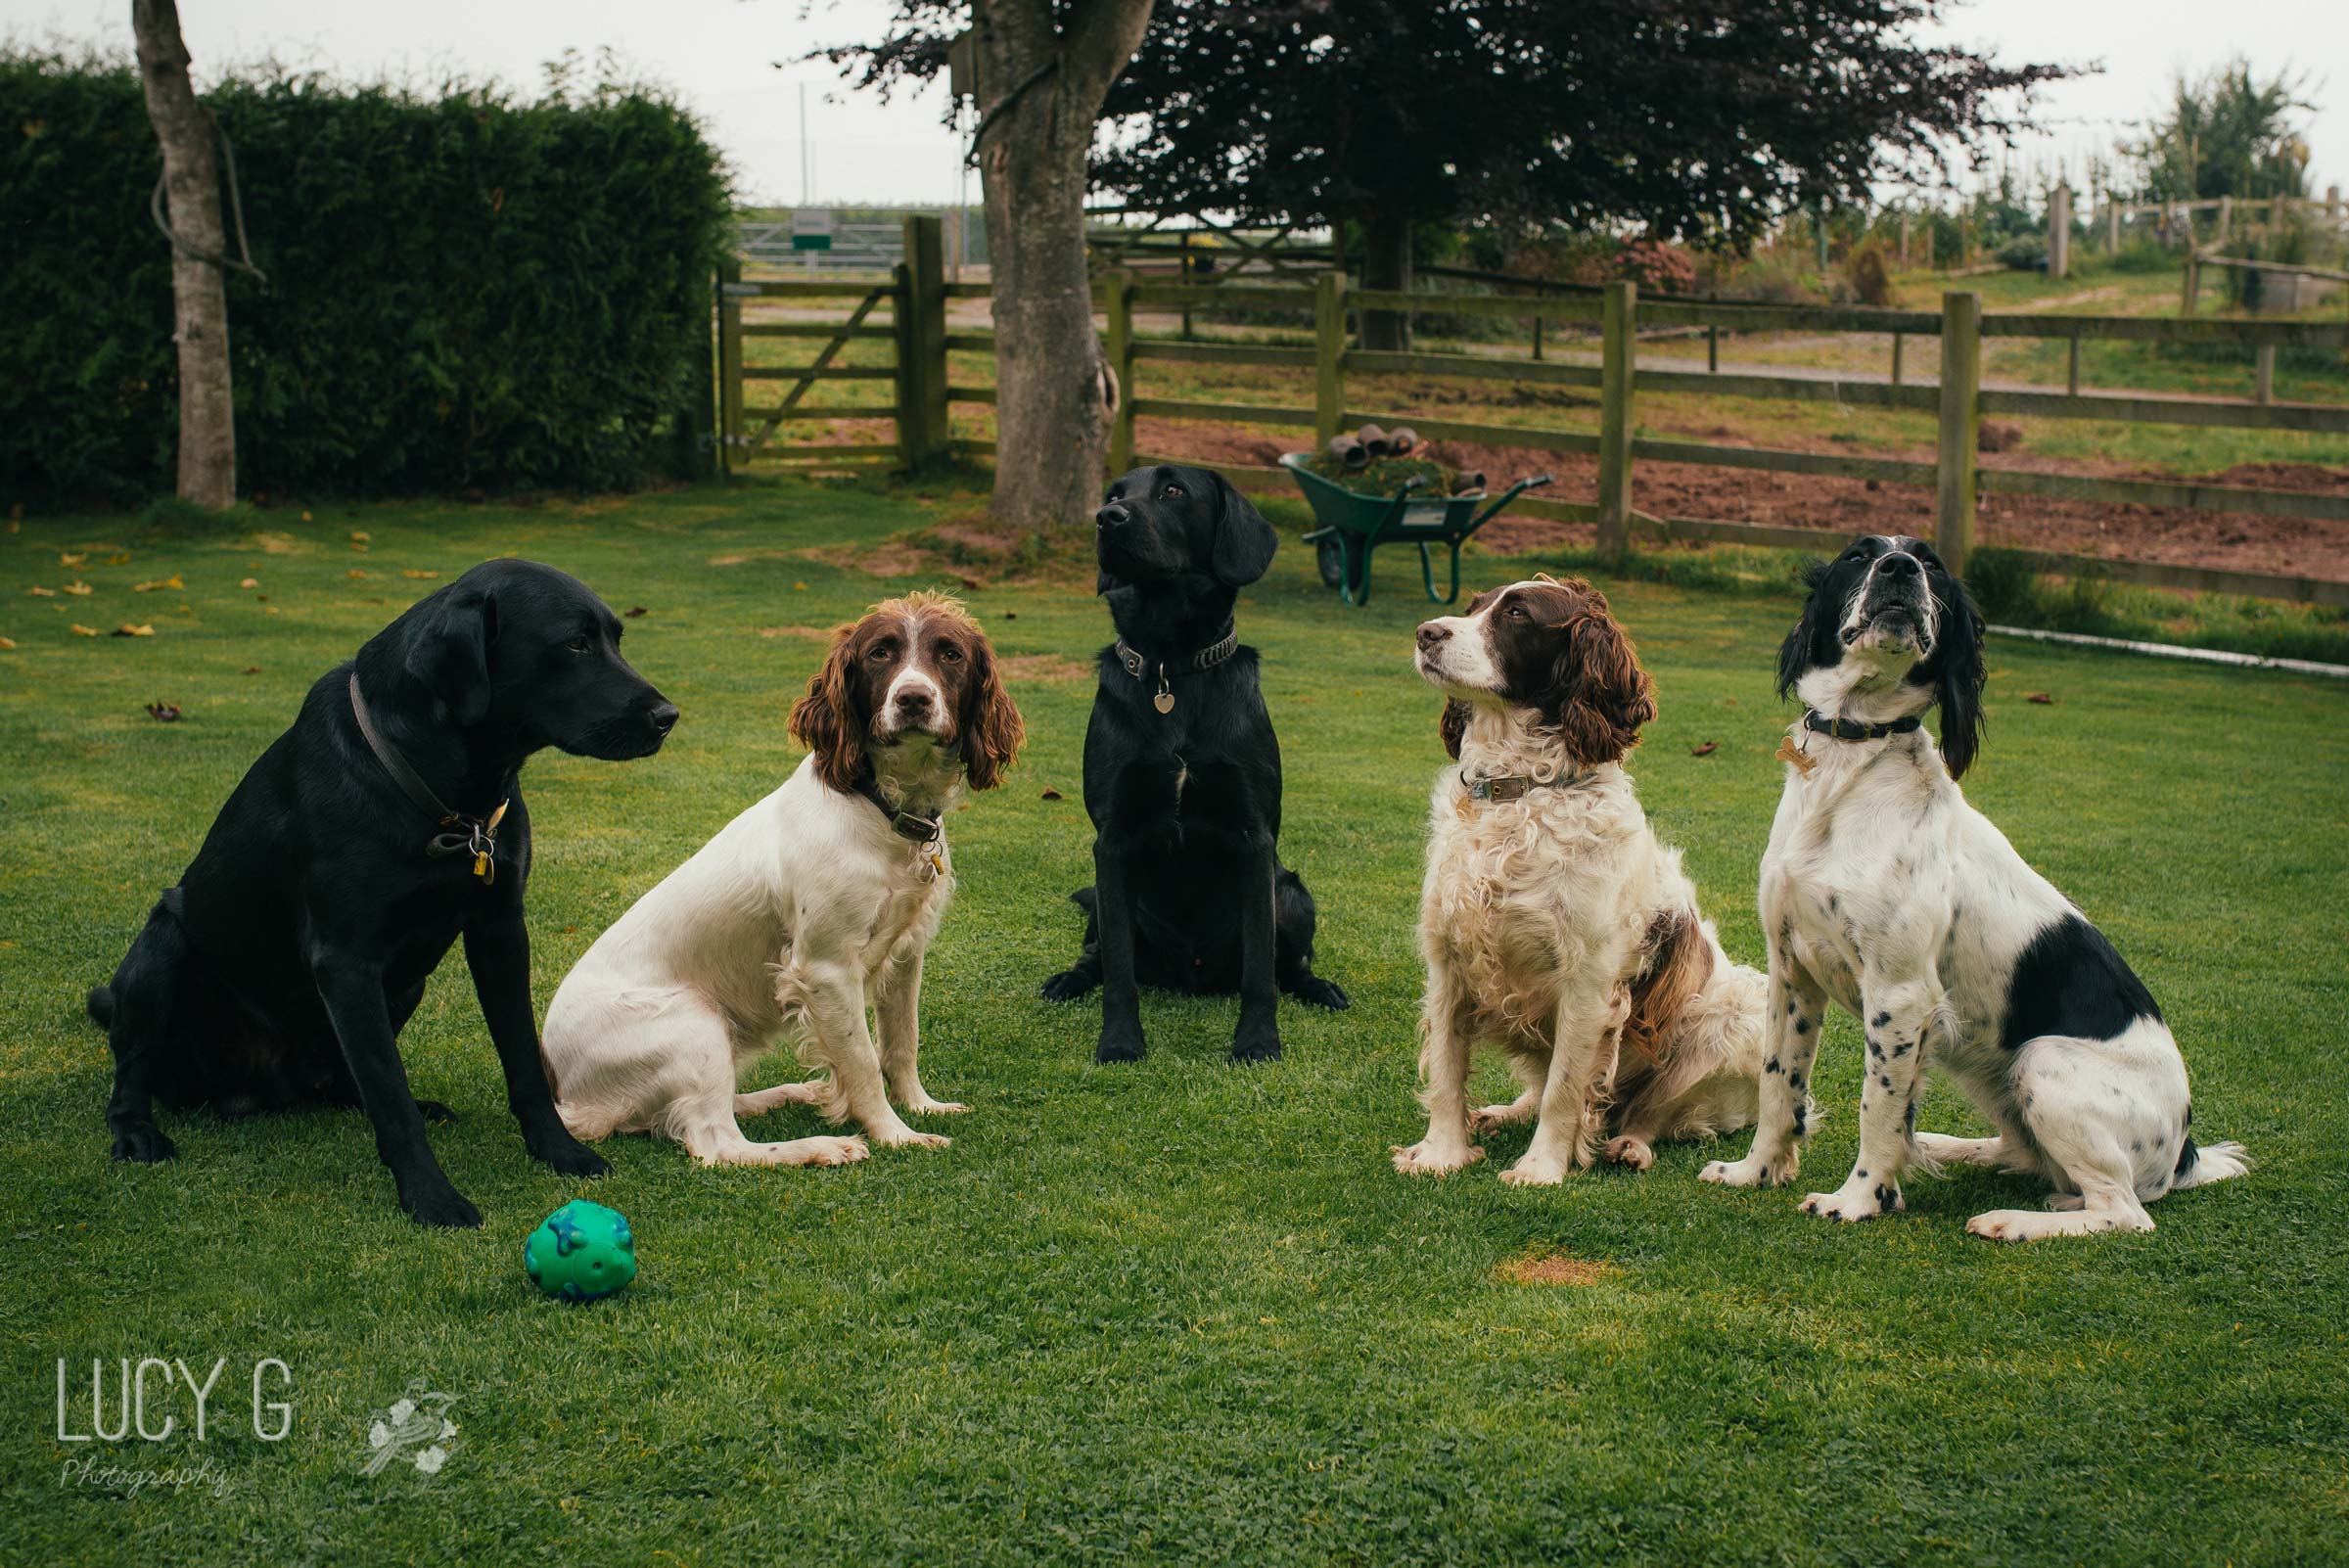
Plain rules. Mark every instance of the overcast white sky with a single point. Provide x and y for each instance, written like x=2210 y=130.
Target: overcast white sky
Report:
x=720 y=54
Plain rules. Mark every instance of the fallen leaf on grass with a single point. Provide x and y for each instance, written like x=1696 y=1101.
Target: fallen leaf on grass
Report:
x=80 y=631
x=39 y=592
x=2039 y=697
x=63 y=559
x=250 y=583
x=79 y=589
x=356 y=537
x=306 y=517
x=799 y=588
x=164 y=712
x=356 y=573
x=134 y=631
x=419 y=576
x=8 y=642
x=250 y=669
x=1054 y=795
x=1706 y=750
x=122 y=559
x=172 y=581
x=638 y=611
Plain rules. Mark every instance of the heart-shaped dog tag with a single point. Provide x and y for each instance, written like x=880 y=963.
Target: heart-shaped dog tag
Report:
x=1163 y=701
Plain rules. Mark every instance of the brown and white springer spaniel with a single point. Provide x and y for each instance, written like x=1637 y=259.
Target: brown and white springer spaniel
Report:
x=815 y=901
x=1553 y=923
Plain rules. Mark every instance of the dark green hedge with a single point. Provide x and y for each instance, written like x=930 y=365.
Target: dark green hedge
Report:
x=464 y=293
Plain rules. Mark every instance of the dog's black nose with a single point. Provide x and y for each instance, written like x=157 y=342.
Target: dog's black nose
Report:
x=913 y=699
x=1899 y=565
x=1431 y=634
x=665 y=718
x=1109 y=516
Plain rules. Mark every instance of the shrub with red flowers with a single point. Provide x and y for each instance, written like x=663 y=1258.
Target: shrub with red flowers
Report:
x=1656 y=266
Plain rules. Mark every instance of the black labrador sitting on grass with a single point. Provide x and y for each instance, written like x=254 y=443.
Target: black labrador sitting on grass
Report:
x=384 y=825
x=1182 y=775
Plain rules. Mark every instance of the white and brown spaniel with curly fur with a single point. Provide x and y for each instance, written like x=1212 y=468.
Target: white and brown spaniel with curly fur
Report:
x=814 y=903
x=1883 y=891
x=1553 y=923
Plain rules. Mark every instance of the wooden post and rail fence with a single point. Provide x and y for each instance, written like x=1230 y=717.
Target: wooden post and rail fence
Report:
x=921 y=340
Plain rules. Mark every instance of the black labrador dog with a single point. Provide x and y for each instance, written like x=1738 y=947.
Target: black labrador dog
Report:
x=1182 y=775
x=388 y=821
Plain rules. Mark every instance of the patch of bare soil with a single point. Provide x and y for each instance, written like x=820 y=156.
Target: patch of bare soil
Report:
x=1044 y=668
x=804 y=633
x=1557 y=1268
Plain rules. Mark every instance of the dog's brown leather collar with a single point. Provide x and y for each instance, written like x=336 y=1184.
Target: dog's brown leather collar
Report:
x=1511 y=786
x=913 y=825
x=459 y=834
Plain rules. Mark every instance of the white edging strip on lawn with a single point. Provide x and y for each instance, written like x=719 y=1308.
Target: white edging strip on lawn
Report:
x=2164 y=650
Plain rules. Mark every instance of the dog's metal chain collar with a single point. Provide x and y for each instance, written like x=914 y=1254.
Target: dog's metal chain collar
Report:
x=1851 y=729
x=459 y=834
x=1207 y=657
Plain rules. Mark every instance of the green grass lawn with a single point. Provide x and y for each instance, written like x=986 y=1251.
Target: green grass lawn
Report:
x=1174 y=1310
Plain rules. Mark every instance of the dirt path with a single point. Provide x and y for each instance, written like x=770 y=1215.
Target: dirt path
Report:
x=2241 y=541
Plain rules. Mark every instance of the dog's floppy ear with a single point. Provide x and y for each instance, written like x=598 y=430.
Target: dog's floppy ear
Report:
x=1794 y=654
x=449 y=652
x=991 y=722
x=1244 y=541
x=1602 y=693
x=826 y=720
x=1958 y=683
x=1452 y=725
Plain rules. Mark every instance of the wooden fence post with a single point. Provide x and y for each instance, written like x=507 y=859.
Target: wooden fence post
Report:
x=2059 y=232
x=920 y=311
x=1329 y=354
x=1120 y=347
x=1617 y=366
x=729 y=364
x=2262 y=378
x=1960 y=427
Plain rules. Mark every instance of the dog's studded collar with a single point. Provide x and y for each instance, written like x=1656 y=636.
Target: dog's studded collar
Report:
x=1851 y=729
x=1207 y=657
x=459 y=834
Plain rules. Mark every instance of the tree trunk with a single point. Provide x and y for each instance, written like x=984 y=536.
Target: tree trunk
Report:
x=1386 y=264
x=207 y=425
x=1041 y=93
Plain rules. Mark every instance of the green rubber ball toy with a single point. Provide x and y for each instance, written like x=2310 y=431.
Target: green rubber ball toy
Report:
x=584 y=1252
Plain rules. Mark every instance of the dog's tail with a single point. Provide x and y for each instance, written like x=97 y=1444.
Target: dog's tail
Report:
x=101 y=1005
x=2199 y=1164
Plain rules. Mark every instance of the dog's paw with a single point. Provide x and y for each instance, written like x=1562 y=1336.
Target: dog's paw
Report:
x=571 y=1157
x=435 y=1113
x=1321 y=992
x=442 y=1206
x=144 y=1144
x=1631 y=1151
x=2006 y=1224
x=835 y=1151
x=926 y=1106
x=1752 y=1171
x=905 y=1137
x=1067 y=986
x=1856 y=1201
x=1257 y=1043
x=1491 y=1118
x=1118 y=1045
x=1430 y=1158
x=1535 y=1170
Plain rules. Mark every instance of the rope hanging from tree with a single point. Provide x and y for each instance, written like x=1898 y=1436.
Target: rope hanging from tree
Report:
x=236 y=208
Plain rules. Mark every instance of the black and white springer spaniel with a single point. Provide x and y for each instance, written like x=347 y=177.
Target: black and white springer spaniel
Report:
x=1883 y=889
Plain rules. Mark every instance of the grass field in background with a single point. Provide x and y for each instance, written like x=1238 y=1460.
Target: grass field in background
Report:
x=1173 y=1311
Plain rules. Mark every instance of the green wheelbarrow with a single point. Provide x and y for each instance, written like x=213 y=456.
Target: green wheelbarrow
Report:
x=1352 y=525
